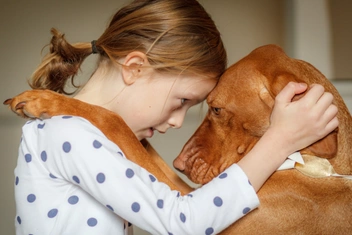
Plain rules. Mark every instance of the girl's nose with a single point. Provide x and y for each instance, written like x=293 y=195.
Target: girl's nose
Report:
x=176 y=118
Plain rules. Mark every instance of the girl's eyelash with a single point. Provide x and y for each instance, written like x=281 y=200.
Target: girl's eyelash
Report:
x=183 y=100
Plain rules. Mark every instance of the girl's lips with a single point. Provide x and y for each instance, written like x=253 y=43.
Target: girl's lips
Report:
x=151 y=132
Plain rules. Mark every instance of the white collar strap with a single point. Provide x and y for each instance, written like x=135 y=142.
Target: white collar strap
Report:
x=311 y=166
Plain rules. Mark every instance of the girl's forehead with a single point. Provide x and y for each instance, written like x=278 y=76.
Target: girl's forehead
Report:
x=197 y=87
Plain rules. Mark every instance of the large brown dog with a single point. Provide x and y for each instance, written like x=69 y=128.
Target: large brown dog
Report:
x=240 y=106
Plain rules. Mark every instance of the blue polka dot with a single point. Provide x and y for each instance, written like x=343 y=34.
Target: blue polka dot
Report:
x=209 y=231
x=96 y=144
x=28 y=157
x=66 y=147
x=129 y=173
x=31 y=198
x=52 y=176
x=217 y=201
x=169 y=233
x=135 y=207
x=66 y=117
x=92 y=222
x=152 y=178
x=110 y=207
x=223 y=176
x=73 y=200
x=17 y=180
x=246 y=210
x=178 y=194
x=183 y=217
x=76 y=179
x=120 y=153
x=52 y=213
x=160 y=203
x=189 y=195
x=249 y=182
x=41 y=126
x=19 y=220
x=101 y=178
x=43 y=156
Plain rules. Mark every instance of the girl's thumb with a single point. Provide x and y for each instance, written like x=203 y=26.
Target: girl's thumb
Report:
x=290 y=90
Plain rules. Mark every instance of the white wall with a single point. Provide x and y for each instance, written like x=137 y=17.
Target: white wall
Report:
x=25 y=29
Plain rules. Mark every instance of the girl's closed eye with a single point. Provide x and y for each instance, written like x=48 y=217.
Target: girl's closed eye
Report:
x=183 y=101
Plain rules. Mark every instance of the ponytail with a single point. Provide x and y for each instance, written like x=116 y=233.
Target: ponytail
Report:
x=61 y=64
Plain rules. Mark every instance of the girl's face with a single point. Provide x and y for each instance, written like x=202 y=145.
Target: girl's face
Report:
x=161 y=102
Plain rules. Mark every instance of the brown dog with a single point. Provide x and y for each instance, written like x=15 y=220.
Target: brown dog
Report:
x=305 y=206
x=240 y=108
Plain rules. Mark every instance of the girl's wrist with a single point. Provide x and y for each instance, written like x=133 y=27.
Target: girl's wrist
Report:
x=265 y=157
x=278 y=142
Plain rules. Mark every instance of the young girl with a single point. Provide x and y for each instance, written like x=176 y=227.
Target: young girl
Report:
x=157 y=59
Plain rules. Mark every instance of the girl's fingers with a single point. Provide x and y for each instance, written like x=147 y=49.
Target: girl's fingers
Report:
x=330 y=118
x=313 y=95
x=321 y=107
x=332 y=125
x=324 y=103
x=289 y=91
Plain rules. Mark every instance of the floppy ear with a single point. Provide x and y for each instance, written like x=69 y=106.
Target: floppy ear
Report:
x=273 y=87
x=324 y=148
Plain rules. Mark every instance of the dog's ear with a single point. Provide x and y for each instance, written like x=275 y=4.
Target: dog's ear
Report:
x=324 y=148
x=273 y=86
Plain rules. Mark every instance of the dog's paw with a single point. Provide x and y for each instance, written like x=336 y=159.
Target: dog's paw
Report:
x=30 y=104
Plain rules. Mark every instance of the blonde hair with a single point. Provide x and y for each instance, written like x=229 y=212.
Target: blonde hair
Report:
x=176 y=35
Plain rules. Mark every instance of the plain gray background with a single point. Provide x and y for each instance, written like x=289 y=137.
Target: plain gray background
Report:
x=318 y=31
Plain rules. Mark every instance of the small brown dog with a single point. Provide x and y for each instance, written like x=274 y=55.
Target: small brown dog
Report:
x=291 y=202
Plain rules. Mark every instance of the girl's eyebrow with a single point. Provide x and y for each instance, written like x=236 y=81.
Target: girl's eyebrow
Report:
x=193 y=96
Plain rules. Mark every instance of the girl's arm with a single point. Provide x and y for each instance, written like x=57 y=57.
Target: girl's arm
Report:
x=78 y=154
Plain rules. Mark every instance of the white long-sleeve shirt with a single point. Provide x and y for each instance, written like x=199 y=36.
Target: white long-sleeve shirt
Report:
x=71 y=180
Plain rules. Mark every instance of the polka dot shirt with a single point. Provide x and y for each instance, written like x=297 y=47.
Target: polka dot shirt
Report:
x=70 y=179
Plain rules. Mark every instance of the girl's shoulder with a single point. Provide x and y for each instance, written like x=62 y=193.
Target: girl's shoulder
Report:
x=65 y=128
x=63 y=123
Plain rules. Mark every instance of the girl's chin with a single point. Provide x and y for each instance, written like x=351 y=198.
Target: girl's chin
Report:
x=146 y=134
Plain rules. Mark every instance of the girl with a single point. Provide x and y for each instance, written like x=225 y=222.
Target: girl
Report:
x=157 y=59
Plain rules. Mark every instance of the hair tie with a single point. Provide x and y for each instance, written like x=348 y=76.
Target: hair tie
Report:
x=94 y=47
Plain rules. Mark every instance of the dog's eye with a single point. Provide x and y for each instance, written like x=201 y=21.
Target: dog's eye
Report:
x=216 y=110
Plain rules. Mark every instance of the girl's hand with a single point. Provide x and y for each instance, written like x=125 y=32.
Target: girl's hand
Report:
x=305 y=121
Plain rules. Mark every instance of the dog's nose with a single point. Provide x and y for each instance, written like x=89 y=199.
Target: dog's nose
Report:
x=179 y=164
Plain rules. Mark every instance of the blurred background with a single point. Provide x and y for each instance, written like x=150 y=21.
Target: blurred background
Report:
x=318 y=31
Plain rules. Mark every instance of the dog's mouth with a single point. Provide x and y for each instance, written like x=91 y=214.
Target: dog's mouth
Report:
x=195 y=167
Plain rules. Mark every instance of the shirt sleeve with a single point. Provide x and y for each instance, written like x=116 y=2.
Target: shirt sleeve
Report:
x=85 y=157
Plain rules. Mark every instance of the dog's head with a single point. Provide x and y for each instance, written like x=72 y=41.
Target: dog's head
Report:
x=239 y=112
